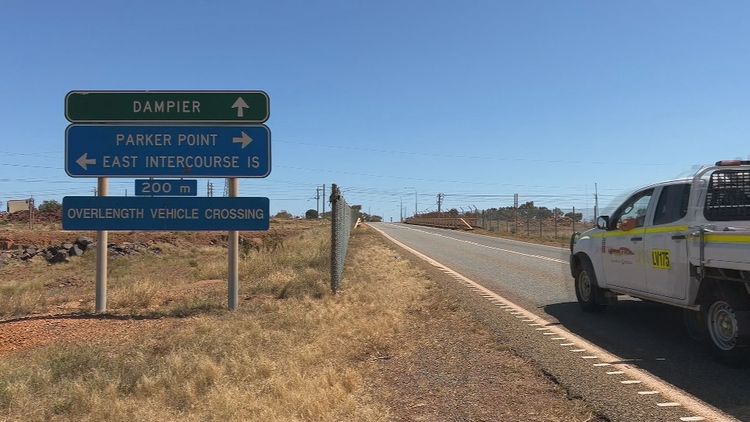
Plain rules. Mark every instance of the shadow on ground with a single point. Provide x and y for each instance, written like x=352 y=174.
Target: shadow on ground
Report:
x=652 y=337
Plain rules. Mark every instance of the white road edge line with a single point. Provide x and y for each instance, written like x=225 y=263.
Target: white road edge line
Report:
x=546 y=258
x=483 y=236
x=669 y=391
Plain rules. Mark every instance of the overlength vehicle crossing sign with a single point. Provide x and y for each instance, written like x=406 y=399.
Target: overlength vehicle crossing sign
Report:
x=167 y=106
x=167 y=150
x=164 y=213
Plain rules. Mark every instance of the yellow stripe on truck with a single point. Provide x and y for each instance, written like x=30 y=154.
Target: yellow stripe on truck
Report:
x=643 y=230
x=726 y=238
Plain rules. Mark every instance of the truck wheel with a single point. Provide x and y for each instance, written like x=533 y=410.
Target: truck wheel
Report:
x=589 y=295
x=725 y=326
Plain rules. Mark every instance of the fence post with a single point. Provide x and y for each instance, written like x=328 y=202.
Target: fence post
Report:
x=528 y=222
x=555 y=216
x=335 y=237
x=540 y=228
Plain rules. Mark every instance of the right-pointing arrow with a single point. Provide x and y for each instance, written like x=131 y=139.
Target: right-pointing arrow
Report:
x=244 y=140
x=84 y=161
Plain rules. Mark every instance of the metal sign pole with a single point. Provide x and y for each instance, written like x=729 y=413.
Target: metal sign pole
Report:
x=233 y=284
x=101 y=255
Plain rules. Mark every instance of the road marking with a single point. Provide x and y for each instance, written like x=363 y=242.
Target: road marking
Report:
x=548 y=334
x=692 y=418
x=546 y=258
x=483 y=236
x=589 y=357
x=577 y=350
x=669 y=391
x=615 y=372
x=668 y=404
x=557 y=338
x=648 y=393
x=602 y=364
x=567 y=344
x=630 y=382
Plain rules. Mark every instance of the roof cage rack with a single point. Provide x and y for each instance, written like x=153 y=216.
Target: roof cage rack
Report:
x=733 y=163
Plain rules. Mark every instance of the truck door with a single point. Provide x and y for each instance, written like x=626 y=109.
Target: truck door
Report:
x=623 y=247
x=666 y=243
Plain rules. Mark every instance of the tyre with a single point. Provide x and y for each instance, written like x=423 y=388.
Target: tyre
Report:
x=589 y=295
x=725 y=323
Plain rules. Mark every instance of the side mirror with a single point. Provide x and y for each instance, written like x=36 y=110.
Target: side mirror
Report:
x=602 y=222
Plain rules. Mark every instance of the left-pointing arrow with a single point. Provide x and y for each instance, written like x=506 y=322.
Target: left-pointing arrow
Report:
x=84 y=161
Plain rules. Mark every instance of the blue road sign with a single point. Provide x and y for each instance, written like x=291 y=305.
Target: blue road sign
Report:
x=165 y=213
x=167 y=150
x=166 y=187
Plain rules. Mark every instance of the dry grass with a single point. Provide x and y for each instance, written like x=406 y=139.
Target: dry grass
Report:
x=290 y=353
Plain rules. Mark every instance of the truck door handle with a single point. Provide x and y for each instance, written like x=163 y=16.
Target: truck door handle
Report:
x=679 y=237
x=636 y=239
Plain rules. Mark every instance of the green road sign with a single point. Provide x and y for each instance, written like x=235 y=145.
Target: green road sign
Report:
x=166 y=106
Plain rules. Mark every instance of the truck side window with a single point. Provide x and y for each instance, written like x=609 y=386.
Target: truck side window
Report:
x=632 y=213
x=673 y=203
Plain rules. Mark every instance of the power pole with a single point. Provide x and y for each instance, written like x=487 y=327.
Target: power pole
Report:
x=317 y=200
x=596 y=202
x=324 y=198
x=31 y=212
x=440 y=197
x=515 y=212
x=416 y=204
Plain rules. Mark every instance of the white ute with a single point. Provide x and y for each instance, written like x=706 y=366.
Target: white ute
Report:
x=684 y=243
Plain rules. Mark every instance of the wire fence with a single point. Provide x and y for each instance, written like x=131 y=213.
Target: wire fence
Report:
x=552 y=229
x=526 y=221
x=343 y=219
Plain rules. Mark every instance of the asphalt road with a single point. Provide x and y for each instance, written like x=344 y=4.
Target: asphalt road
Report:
x=538 y=278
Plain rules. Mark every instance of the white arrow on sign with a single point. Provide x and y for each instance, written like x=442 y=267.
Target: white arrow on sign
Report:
x=84 y=161
x=240 y=105
x=244 y=140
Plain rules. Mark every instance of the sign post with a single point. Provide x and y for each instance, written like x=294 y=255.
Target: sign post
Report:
x=102 y=238
x=233 y=283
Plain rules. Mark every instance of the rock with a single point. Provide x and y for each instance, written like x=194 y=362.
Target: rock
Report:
x=67 y=245
x=75 y=251
x=84 y=242
x=6 y=244
x=30 y=251
x=60 y=256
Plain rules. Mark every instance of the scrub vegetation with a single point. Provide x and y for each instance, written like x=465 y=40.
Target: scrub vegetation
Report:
x=169 y=351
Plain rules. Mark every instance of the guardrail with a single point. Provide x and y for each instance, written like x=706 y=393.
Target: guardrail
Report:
x=343 y=220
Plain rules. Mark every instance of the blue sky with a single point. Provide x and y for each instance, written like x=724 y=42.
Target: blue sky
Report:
x=540 y=98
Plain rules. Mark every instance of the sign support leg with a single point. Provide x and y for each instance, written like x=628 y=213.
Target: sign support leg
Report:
x=233 y=285
x=101 y=255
